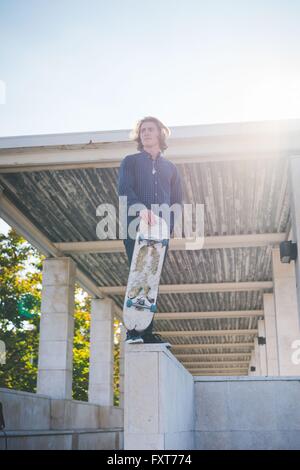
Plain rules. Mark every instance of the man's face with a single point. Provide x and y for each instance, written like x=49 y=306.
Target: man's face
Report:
x=149 y=134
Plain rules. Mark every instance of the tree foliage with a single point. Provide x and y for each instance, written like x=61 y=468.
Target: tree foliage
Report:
x=20 y=309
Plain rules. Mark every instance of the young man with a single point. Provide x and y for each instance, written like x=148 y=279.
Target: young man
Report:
x=148 y=178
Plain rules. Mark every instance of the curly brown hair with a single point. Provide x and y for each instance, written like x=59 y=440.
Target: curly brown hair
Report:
x=164 y=132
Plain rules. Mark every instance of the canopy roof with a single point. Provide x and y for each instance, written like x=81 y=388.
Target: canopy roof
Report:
x=209 y=297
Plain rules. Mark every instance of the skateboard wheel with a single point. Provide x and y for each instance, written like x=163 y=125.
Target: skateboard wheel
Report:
x=164 y=242
x=129 y=303
x=153 y=308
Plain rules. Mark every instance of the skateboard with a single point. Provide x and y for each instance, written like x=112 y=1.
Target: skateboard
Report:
x=143 y=281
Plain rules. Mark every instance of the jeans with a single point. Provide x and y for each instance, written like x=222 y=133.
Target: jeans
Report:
x=129 y=247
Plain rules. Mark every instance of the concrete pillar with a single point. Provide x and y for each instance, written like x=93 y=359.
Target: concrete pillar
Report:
x=252 y=364
x=262 y=347
x=294 y=186
x=101 y=352
x=55 y=363
x=271 y=335
x=257 y=357
x=122 y=365
x=159 y=400
x=287 y=321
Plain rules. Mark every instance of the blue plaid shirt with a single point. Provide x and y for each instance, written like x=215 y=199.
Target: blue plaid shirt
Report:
x=147 y=181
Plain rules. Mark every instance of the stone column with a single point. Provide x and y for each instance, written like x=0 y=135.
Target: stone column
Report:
x=101 y=352
x=294 y=186
x=252 y=363
x=159 y=400
x=287 y=321
x=257 y=357
x=262 y=347
x=271 y=335
x=122 y=365
x=55 y=363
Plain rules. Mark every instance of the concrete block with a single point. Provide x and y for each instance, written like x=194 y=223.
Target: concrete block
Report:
x=44 y=442
x=245 y=440
x=184 y=440
x=251 y=407
x=101 y=351
x=101 y=394
x=213 y=440
x=141 y=393
x=64 y=440
x=24 y=410
x=146 y=441
x=272 y=350
x=70 y=414
x=158 y=399
x=287 y=296
x=282 y=270
x=101 y=331
x=262 y=413
x=111 y=417
x=121 y=367
x=271 y=335
x=176 y=382
x=287 y=366
x=55 y=383
x=99 y=441
x=102 y=310
x=101 y=372
x=56 y=355
x=57 y=299
x=211 y=409
x=288 y=440
x=272 y=367
x=58 y=271
x=287 y=405
x=56 y=326
x=264 y=440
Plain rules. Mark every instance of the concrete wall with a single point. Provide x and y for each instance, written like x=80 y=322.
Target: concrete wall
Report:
x=38 y=422
x=159 y=399
x=164 y=409
x=109 y=439
x=247 y=413
x=24 y=411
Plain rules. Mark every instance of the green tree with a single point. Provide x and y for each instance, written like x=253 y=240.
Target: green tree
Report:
x=81 y=349
x=81 y=352
x=20 y=302
x=19 y=333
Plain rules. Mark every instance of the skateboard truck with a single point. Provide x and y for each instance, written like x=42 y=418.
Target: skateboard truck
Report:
x=164 y=241
x=141 y=305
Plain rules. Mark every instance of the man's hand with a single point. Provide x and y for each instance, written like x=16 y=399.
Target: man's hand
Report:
x=148 y=216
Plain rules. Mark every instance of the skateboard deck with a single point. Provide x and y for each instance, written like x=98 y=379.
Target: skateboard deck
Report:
x=143 y=281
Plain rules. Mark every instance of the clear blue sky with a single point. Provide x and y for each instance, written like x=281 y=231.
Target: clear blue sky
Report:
x=80 y=65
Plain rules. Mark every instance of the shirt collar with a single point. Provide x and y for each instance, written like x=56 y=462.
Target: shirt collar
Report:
x=160 y=155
